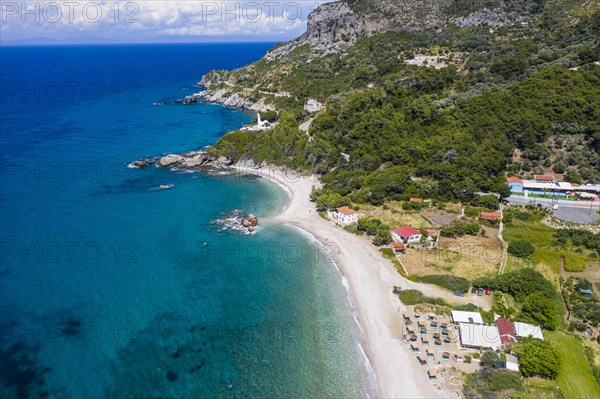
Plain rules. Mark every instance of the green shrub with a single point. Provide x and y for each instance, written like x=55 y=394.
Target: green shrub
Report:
x=459 y=229
x=452 y=283
x=521 y=248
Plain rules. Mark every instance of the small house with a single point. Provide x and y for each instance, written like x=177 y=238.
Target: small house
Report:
x=491 y=216
x=515 y=184
x=416 y=200
x=313 y=105
x=544 y=178
x=398 y=247
x=346 y=215
x=406 y=234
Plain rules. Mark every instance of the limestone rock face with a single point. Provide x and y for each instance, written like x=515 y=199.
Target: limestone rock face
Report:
x=333 y=27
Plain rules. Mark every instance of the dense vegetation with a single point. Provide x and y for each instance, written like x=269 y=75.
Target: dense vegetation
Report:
x=455 y=128
x=374 y=227
x=492 y=383
x=538 y=358
x=582 y=238
x=541 y=303
x=457 y=147
x=581 y=308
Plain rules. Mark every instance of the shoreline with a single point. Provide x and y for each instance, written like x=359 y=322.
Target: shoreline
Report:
x=370 y=280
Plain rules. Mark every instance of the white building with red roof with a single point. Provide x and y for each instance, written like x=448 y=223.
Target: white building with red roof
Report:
x=346 y=215
x=406 y=234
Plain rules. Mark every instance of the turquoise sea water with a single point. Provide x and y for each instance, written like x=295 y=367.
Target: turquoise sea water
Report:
x=112 y=288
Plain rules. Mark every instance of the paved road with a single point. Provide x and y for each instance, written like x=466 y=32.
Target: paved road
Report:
x=584 y=212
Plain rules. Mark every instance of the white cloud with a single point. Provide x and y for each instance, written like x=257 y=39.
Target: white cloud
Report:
x=154 y=18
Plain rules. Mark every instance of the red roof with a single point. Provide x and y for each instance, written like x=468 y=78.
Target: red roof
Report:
x=544 y=177
x=491 y=215
x=507 y=331
x=398 y=246
x=346 y=211
x=406 y=231
x=431 y=233
x=513 y=179
x=416 y=200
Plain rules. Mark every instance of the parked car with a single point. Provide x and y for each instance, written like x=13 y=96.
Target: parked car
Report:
x=480 y=292
x=459 y=293
x=473 y=290
x=488 y=291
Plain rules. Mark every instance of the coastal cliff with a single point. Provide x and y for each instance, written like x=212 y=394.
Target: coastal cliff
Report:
x=335 y=27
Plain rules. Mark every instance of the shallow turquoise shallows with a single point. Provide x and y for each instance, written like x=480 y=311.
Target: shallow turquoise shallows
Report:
x=110 y=287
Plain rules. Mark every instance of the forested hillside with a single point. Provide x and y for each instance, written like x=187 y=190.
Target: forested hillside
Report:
x=507 y=75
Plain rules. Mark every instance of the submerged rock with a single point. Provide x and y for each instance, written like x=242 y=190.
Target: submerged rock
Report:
x=171 y=376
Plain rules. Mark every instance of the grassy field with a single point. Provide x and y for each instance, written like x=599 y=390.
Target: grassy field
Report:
x=539 y=388
x=575 y=378
x=533 y=231
x=469 y=256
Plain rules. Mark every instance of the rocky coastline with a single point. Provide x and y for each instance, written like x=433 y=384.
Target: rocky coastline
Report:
x=190 y=161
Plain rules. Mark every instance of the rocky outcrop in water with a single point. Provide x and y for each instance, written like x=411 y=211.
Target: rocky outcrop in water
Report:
x=235 y=221
x=193 y=160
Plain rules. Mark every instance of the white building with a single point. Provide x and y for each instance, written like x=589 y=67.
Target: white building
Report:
x=511 y=363
x=406 y=234
x=479 y=336
x=313 y=106
x=459 y=316
x=346 y=215
x=260 y=125
x=527 y=330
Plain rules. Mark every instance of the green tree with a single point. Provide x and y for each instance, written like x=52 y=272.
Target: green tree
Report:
x=489 y=359
x=559 y=167
x=539 y=358
x=541 y=309
x=329 y=200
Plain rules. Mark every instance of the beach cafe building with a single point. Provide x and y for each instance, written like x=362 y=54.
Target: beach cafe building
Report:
x=548 y=185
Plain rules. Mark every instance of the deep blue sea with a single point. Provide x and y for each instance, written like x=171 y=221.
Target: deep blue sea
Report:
x=112 y=288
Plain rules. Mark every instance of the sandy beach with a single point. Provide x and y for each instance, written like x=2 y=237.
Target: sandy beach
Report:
x=371 y=279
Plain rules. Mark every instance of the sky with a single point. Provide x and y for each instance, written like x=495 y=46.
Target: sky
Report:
x=151 y=21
